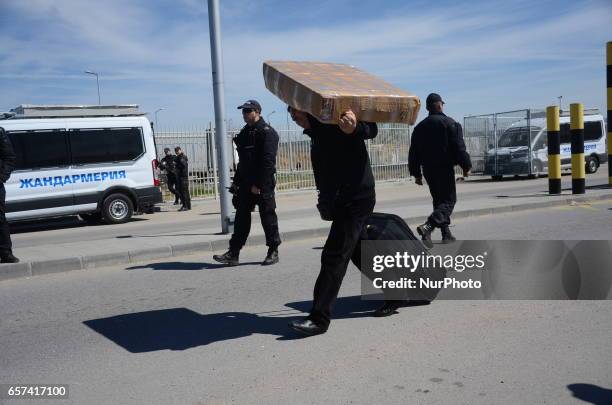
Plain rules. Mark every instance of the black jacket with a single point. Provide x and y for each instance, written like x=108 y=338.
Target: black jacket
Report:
x=7 y=157
x=340 y=161
x=257 y=146
x=437 y=142
x=181 y=163
x=168 y=163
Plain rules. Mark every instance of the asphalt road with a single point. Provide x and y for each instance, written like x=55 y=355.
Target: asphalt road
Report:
x=300 y=205
x=189 y=332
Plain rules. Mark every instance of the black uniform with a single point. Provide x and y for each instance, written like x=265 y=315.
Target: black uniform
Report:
x=257 y=146
x=182 y=177
x=345 y=182
x=437 y=146
x=168 y=163
x=7 y=164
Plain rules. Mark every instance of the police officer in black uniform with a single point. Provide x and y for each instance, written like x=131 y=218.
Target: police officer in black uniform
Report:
x=437 y=146
x=168 y=163
x=7 y=164
x=182 y=178
x=345 y=183
x=253 y=184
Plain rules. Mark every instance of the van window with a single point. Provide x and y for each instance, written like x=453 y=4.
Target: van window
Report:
x=518 y=136
x=565 y=134
x=592 y=132
x=105 y=145
x=37 y=149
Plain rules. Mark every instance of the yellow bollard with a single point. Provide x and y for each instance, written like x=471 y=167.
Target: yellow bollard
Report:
x=577 y=135
x=554 y=150
x=609 y=82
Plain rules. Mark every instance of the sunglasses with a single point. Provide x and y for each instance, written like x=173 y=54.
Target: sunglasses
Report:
x=247 y=110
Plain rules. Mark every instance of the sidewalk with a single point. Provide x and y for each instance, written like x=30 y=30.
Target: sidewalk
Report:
x=170 y=233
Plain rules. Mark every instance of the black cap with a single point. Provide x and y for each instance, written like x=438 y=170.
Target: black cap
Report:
x=432 y=98
x=166 y=149
x=251 y=104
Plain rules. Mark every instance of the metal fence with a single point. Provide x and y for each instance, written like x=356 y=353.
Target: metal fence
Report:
x=501 y=143
x=388 y=156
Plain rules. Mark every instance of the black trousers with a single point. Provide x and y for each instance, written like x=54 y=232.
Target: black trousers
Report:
x=441 y=182
x=183 y=190
x=173 y=186
x=5 y=234
x=345 y=234
x=244 y=203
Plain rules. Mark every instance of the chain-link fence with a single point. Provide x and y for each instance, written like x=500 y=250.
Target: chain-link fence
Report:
x=388 y=155
x=502 y=143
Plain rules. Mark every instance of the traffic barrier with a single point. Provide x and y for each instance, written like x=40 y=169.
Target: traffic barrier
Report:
x=609 y=82
x=554 y=150
x=577 y=136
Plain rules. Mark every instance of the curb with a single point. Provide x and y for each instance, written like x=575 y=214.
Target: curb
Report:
x=35 y=268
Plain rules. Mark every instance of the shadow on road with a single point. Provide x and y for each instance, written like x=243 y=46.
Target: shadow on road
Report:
x=180 y=266
x=182 y=328
x=159 y=235
x=591 y=393
x=544 y=193
x=52 y=224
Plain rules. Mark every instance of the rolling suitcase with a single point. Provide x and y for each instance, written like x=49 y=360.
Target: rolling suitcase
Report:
x=387 y=235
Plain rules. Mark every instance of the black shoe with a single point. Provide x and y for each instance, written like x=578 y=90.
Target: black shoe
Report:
x=176 y=202
x=389 y=308
x=8 y=258
x=307 y=327
x=447 y=236
x=425 y=231
x=184 y=209
x=229 y=258
x=271 y=257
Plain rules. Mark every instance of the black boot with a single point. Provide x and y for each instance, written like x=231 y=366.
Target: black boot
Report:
x=176 y=201
x=425 y=231
x=229 y=258
x=271 y=257
x=8 y=257
x=447 y=236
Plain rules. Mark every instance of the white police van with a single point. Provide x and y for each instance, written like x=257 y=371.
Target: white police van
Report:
x=95 y=161
x=514 y=147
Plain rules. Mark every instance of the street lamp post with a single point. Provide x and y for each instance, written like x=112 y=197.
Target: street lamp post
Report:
x=268 y=116
x=560 y=97
x=89 y=72
x=156 y=111
x=214 y=22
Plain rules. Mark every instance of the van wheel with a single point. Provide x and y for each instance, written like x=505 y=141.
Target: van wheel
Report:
x=117 y=208
x=92 y=218
x=591 y=164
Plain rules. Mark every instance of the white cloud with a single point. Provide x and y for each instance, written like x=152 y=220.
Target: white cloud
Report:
x=484 y=51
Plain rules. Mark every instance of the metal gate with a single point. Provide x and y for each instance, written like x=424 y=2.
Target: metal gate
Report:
x=502 y=143
x=388 y=156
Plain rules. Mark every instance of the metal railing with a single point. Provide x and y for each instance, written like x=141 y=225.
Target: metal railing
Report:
x=388 y=156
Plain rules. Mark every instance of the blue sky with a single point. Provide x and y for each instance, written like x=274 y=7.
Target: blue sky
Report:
x=481 y=56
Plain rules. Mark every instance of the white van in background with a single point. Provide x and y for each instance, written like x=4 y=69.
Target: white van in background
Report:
x=95 y=161
x=513 y=146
